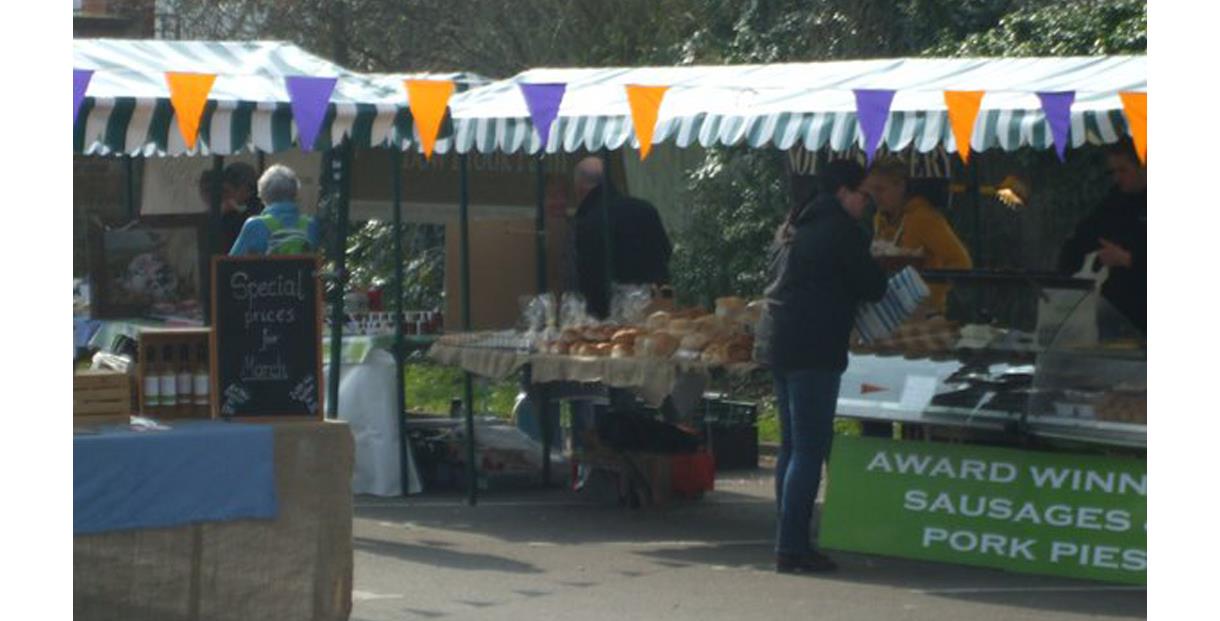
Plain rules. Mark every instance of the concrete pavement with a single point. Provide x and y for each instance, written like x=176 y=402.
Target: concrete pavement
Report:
x=560 y=555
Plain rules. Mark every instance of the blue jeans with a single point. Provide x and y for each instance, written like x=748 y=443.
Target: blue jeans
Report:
x=806 y=401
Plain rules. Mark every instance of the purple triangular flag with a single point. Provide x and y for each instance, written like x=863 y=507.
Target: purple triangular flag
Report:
x=543 y=101
x=310 y=97
x=1058 y=110
x=872 y=111
x=80 y=83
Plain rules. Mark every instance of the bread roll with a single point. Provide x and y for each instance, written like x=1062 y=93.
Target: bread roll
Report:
x=729 y=307
x=570 y=335
x=621 y=351
x=603 y=349
x=626 y=336
x=716 y=353
x=660 y=345
x=680 y=326
x=695 y=341
x=657 y=321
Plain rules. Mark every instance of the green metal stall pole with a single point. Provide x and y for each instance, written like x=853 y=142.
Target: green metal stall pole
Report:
x=218 y=168
x=400 y=343
x=340 y=171
x=541 y=400
x=472 y=479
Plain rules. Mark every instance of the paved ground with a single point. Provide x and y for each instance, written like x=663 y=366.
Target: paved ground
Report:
x=559 y=555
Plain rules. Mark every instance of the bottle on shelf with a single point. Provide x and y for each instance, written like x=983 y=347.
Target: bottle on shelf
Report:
x=168 y=378
x=151 y=392
x=202 y=383
x=184 y=381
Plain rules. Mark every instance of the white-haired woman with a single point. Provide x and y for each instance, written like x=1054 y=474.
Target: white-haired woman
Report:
x=281 y=228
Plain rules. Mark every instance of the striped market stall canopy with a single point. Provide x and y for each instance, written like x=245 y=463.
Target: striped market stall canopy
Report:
x=127 y=108
x=808 y=105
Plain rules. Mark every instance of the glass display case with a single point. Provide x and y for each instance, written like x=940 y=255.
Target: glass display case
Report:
x=1092 y=388
x=1028 y=359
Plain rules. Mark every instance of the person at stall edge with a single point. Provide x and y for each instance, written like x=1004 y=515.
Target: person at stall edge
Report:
x=910 y=221
x=1117 y=229
x=822 y=270
x=239 y=199
x=640 y=247
x=281 y=228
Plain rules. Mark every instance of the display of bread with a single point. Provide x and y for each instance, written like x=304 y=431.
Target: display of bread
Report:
x=691 y=334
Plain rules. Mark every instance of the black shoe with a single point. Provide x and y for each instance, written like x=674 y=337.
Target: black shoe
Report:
x=814 y=562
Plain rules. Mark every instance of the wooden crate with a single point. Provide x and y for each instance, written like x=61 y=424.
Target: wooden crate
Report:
x=157 y=339
x=100 y=397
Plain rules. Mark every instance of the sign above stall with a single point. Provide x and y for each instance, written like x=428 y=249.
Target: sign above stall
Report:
x=1080 y=516
x=267 y=314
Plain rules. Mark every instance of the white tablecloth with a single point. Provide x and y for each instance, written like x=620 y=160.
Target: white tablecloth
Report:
x=367 y=395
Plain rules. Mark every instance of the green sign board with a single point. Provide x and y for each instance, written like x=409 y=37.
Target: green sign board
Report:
x=1060 y=514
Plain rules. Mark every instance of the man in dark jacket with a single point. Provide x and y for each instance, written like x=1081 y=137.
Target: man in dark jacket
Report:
x=639 y=247
x=822 y=272
x=1118 y=231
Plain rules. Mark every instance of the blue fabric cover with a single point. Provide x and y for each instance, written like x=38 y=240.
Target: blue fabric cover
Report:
x=198 y=471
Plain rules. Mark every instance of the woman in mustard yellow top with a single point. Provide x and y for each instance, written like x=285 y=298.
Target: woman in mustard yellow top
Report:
x=913 y=224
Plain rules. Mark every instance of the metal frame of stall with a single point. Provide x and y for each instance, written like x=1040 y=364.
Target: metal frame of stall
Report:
x=336 y=168
x=732 y=128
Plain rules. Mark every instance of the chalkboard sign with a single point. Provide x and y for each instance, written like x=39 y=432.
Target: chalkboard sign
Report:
x=266 y=337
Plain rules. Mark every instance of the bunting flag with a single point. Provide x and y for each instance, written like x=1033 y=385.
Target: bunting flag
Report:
x=543 y=102
x=80 y=83
x=309 y=97
x=645 y=102
x=428 y=100
x=873 y=111
x=188 y=93
x=1136 y=107
x=1058 y=110
x=963 y=110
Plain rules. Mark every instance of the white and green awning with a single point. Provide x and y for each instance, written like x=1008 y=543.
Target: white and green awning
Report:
x=807 y=104
x=127 y=107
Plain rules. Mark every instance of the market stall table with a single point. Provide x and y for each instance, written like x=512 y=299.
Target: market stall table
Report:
x=232 y=533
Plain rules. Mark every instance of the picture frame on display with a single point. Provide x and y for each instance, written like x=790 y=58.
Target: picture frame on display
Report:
x=152 y=267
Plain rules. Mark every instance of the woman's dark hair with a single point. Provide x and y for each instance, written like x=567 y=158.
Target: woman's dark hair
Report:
x=840 y=174
x=241 y=175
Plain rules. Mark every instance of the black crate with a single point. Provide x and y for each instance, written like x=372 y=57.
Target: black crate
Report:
x=734 y=448
x=720 y=412
x=730 y=428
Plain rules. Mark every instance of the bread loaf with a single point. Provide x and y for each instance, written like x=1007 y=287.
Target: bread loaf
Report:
x=729 y=307
x=695 y=341
x=657 y=321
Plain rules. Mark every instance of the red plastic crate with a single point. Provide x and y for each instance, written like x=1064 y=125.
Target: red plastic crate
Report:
x=692 y=474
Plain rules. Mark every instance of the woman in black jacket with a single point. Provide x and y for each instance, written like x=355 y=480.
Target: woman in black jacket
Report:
x=822 y=271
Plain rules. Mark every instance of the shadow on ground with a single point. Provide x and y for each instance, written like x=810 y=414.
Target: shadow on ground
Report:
x=438 y=556
x=732 y=527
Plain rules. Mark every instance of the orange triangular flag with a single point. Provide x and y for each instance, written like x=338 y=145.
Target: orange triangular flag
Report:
x=188 y=93
x=645 y=102
x=428 y=100
x=963 y=110
x=1136 y=107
